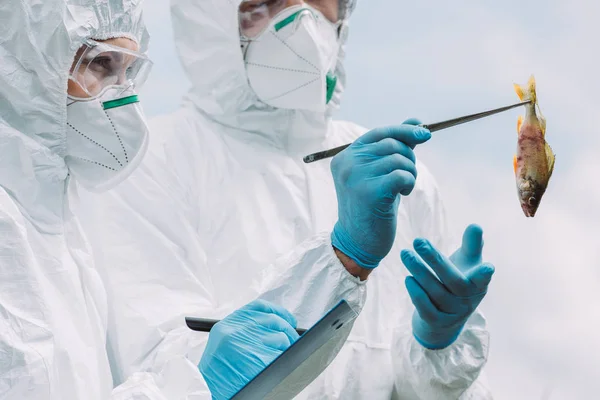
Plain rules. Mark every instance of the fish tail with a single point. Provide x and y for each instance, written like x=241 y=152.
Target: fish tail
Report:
x=526 y=92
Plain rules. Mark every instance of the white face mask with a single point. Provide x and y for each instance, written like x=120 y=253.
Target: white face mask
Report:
x=291 y=64
x=107 y=138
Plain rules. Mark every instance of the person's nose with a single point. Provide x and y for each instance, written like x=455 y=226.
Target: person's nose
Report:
x=122 y=78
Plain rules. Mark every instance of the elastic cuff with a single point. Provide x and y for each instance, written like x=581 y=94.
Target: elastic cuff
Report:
x=342 y=241
x=337 y=263
x=438 y=346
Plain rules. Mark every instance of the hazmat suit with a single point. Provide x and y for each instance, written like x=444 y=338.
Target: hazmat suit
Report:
x=53 y=305
x=54 y=309
x=224 y=180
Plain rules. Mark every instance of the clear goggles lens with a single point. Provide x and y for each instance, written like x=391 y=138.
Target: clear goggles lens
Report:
x=98 y=66
x=255 y=16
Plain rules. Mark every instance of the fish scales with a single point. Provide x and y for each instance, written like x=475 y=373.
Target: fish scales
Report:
x=534 y=161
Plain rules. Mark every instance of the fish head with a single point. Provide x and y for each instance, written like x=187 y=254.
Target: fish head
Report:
x=530 y=195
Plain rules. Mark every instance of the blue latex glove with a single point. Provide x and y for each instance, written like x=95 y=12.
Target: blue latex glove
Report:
x=369 y=176
x=241 y=345
x=443 y=306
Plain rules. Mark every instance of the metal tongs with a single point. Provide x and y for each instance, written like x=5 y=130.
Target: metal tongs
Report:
x=431 y=127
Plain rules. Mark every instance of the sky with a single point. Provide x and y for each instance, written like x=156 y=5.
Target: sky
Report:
x=435 y=60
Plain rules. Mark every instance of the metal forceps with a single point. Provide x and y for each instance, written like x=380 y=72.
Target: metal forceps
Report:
x=431 y=127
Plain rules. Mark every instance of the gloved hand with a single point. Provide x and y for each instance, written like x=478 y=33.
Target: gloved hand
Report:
x=369 y=176
x=241 y=345
x=443 y=306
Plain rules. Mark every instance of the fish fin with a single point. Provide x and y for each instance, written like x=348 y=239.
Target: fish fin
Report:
x=550 y=156
x=531 y=85
x=531 y=89
x=515 y=164
x=520 y=92
x=527 y=91
x=533 y=95
x=519 y=123
x=542 y=123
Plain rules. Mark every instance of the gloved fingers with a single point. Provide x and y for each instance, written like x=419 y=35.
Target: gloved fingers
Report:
x=389 y=146
x=448 y=273
x=437 y=320
x=387 y=164
x=426 y=309
x=472 y=242
x=439 y=295
x=412 y=121
x=275 y=323
x=397 y=182
x=481 y=276
x=276 y=340
x=268 y=307
x=409 y=134
x=441 y=298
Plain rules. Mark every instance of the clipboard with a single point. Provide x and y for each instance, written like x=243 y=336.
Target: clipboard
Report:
x=291 y=371
x=284 y=378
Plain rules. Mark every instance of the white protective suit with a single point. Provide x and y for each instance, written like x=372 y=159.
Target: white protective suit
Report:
x=53 y=309
x=53 y=303
x=225 y=180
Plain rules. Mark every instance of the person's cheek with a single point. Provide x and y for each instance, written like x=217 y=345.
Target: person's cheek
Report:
x=75 y=90
x=122 y=80
x=331 y=10
x=94 y=82
x=276 y=10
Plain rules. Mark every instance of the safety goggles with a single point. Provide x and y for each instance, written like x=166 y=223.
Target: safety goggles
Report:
x=99 y=66
x=255 y=16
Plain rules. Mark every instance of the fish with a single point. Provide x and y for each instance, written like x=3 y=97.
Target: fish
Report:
x=534 y=161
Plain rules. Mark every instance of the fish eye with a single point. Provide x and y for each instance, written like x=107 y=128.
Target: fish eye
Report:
x=532 y=201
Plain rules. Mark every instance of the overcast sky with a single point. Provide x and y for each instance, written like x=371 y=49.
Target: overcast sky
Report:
x=437 y=59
